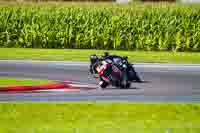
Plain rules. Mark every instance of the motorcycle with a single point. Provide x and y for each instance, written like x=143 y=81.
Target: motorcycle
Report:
x=113 y=74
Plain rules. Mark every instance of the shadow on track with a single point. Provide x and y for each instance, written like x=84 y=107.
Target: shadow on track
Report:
x=131 y=88
x=115 y=88
x=142 y=82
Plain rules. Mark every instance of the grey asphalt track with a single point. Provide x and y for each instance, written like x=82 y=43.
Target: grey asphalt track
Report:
x=163 y=82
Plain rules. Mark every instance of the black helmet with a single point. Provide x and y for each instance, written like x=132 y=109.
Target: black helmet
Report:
x=94 y=58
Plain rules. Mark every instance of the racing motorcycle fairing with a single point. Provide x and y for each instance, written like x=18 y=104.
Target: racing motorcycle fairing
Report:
x=108 y=72
x=102 y=69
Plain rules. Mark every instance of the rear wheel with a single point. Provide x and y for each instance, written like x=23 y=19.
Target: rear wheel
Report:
x=128 y=85
x=125 y=85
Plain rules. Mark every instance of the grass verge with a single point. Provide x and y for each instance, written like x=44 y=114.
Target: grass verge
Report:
x=91 y=117
x=14 y=81
x=83 y=55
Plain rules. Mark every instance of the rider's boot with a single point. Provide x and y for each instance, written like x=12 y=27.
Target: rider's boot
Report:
x=103 y=84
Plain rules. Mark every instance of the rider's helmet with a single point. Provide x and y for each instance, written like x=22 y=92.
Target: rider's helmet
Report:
x=93 y=58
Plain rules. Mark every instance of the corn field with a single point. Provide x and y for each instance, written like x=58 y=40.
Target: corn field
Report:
x=127 y=27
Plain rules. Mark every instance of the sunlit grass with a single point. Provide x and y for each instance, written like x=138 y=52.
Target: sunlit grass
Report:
x=83 y=55
x=93 y=117
x=14 y=81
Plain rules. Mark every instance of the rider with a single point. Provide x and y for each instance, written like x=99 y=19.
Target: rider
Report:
x=95 y=61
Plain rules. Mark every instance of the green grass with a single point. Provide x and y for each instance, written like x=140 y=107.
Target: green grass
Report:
x=83 y=55
x=14 y=81
x=99 y=118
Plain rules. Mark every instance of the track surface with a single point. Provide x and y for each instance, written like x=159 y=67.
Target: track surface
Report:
x=164 y=82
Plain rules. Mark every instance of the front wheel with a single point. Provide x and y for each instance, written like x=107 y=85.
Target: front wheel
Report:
x=125 y=85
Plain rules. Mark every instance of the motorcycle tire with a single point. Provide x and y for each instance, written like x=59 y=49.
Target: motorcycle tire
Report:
x=128 y=85
x=125 y=85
